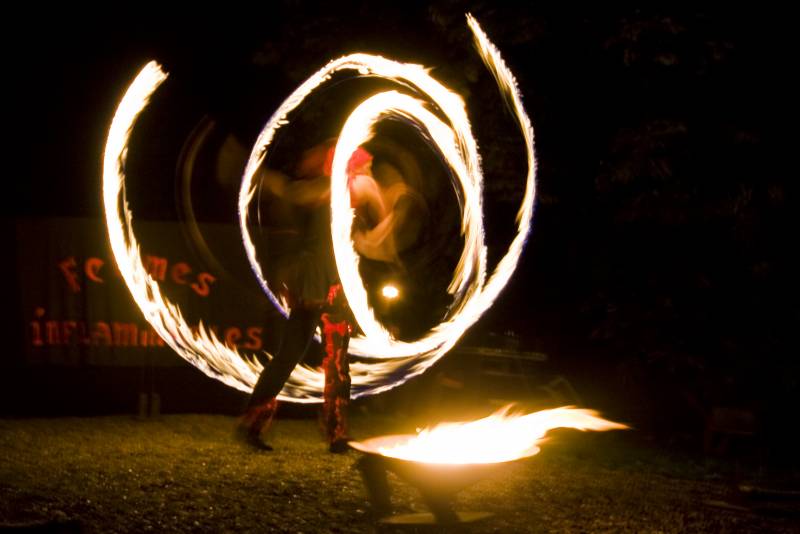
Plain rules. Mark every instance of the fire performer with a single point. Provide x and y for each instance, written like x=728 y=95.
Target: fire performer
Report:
x=310 y=283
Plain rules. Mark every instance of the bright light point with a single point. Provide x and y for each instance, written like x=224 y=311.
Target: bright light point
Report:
x=390 y=292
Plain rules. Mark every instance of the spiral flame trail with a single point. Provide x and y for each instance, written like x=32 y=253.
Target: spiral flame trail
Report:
x=473 y=294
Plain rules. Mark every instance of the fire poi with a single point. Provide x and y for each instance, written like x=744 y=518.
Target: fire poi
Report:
x=391 y=362
x=441 y=460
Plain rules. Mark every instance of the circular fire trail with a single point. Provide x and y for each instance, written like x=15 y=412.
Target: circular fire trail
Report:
x=392 y=361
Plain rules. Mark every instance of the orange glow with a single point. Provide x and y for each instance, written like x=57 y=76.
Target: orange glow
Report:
x=501 y=437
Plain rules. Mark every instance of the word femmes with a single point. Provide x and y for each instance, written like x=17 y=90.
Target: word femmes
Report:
x=181 y=273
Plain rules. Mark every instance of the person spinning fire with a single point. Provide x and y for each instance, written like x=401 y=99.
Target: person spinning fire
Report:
x=311 y=286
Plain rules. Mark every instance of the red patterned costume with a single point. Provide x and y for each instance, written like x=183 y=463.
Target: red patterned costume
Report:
x=336 y=330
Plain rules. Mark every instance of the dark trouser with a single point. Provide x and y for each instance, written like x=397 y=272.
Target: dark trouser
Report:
x=297 y=339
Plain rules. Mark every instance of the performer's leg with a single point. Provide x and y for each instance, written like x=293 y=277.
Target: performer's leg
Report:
x=263 y=404
x=336 y=331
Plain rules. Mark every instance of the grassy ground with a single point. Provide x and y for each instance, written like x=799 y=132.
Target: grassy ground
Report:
x=184 y=473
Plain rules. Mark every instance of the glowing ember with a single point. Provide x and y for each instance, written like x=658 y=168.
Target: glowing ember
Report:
x=394 y=361
x=501 y=437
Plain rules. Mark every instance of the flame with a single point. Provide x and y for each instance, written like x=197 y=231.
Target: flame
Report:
x=501 y=437
x=199 y=347
x=393 y=362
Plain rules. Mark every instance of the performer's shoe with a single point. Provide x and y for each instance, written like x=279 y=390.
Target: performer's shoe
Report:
x=339 y=446
x=249 y=437
x=255 y=420
x=259 y=444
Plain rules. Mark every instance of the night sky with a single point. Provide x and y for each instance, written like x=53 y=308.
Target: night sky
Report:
x=661 y=260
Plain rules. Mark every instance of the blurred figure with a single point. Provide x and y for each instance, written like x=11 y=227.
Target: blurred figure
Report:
x=309 y=282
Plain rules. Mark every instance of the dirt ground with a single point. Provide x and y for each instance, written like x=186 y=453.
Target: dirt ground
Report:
x=185 y=473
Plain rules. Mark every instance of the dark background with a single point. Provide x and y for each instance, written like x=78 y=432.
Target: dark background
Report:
x=660 y=275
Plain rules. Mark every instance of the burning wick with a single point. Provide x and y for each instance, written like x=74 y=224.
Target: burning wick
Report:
x=390 y=292
x=501 y=437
